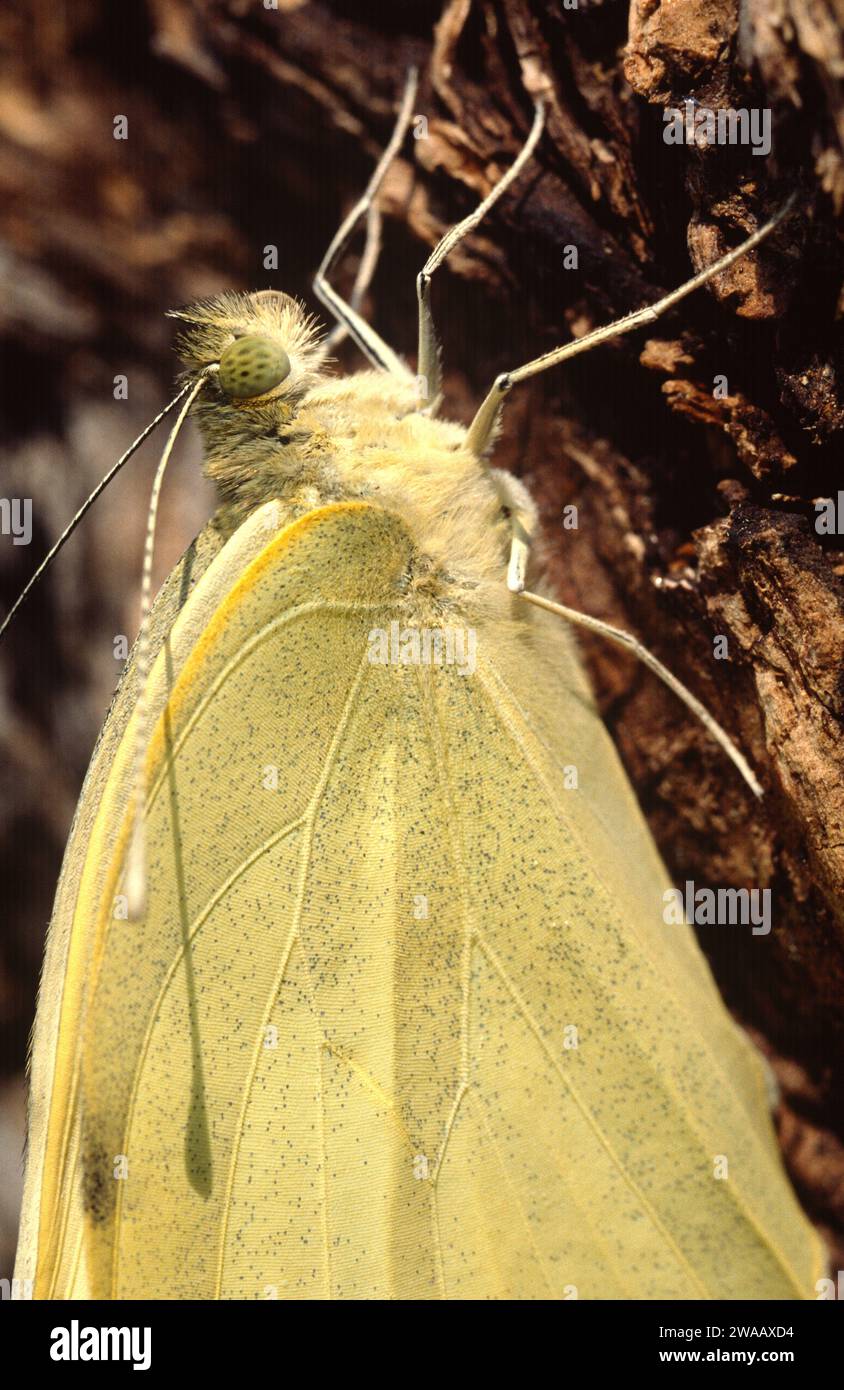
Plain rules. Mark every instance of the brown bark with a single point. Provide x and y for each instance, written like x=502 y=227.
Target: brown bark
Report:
x=250 y=126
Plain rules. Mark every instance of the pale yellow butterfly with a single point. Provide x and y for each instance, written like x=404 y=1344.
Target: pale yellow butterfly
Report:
x=401 y=1015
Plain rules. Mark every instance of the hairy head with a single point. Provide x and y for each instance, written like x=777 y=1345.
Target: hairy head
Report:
x=266 y=344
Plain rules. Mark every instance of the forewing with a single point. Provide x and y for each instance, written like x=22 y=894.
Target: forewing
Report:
x=403 y=1019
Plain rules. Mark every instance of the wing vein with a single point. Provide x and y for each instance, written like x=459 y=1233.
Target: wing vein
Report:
x=514 y=1197
x=603 y=1140
x=256 y=640
x=678 y=1004
x=307 y=849
x=195 y=927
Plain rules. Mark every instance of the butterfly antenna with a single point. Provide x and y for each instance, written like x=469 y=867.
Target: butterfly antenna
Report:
x=71 y=527
x=136 y=863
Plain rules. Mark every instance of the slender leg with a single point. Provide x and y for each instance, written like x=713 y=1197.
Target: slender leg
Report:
x=363 y=279
x=523 y=524
x=371 y=345
x=482 y=427
x=428 y=369
x=632 y=644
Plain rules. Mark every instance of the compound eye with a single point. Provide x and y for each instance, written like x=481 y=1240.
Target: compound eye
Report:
x=251 y=366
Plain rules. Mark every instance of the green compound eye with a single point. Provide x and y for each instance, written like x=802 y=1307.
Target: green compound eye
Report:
x=251 y=366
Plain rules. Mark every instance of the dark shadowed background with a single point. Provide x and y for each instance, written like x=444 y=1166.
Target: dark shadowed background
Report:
x=252 y=125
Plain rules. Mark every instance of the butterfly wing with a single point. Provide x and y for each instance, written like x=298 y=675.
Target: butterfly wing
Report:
x=56 y=984
x=614 y=1136
x=403 y=1019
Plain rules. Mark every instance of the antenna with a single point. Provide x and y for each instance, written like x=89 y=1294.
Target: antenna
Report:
x=72 y=525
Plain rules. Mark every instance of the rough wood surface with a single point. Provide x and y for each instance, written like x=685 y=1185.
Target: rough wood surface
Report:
x=254 y=125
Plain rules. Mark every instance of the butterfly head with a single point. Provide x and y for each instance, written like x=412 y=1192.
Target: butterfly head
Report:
x=265 y=345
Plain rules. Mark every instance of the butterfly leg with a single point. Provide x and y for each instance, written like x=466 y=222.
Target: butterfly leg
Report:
x=523 y=523
x=365 y=272
x=482 y=429
x=633 y=645
x=429 y=372
x=522 y=512
x=348 y=319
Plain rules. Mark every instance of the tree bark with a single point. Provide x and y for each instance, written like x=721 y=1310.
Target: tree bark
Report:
x=694 y=452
